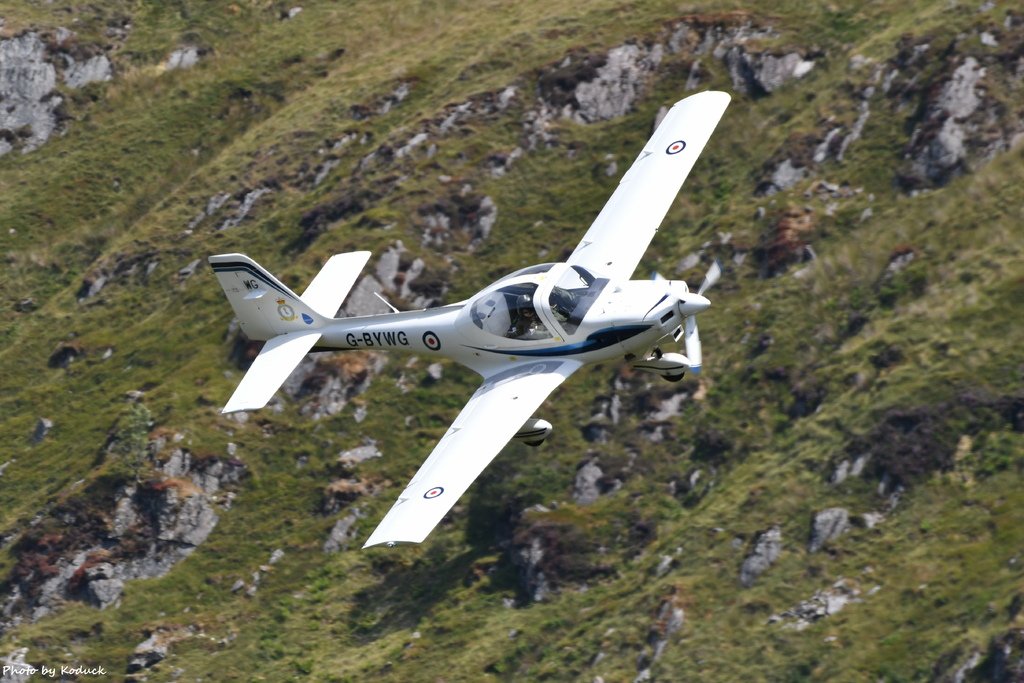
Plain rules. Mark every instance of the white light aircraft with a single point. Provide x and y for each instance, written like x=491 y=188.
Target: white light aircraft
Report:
x=525 y=334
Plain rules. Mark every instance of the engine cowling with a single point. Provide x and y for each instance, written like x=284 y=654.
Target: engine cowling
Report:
x=534 y=431
x=671 y=366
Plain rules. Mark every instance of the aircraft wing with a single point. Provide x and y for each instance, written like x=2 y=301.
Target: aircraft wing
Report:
x=618 y=238
x=494 y=414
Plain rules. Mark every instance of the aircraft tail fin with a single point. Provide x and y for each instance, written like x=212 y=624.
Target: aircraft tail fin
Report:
x=266 y=307
x=268 y=310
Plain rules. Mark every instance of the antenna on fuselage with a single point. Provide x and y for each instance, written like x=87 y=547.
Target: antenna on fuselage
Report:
x=386 y=302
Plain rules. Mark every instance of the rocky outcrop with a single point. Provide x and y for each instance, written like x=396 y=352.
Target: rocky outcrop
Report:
x=78 y=74
x=142 y=531
x=122 y=269
x=65 y=354
x=585 y=489
x=28 y=105
x=761 y=74
x=14 y=668
x=588 y=87
x=591 y=88
x=851 y=467
x=362 y=300
x=341 y=493
x=949 y=96
x=549 y=555
x=668 y=620
x=1004 y=661
x=945 y=93
x=383 y=104
x=828 y=525
x=407 y=276
x=31 y=107
x=354 y=456
x=462 y=217
x=344 y=531
x=822 y=604
x=607 y=411
x=691 y=487
x=324 y=385
x=182 y=58
x=155 y=648
x=938 y=146
x=766 y=550
x=43 y=427
x=592 y=482
x=786 y=241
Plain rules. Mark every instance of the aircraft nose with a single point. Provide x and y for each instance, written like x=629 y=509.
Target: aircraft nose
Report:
x=691 y=304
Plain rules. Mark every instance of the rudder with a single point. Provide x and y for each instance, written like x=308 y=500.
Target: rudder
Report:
x=263 y=305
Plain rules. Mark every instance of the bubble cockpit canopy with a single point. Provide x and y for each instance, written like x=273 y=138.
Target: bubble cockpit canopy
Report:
x=510 y=312
x=540 y=302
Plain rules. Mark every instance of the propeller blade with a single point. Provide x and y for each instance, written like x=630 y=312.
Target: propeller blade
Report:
x=692 y=340
x=714 y=273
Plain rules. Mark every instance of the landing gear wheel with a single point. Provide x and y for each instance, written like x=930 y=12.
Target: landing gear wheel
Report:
x=673 y=378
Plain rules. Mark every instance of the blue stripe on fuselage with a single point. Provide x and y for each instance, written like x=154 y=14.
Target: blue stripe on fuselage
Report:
x=596 y=341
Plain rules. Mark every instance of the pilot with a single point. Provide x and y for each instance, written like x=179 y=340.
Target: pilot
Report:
x=563 y=302
x=526 y=324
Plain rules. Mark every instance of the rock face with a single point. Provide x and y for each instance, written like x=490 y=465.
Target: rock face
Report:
x=591 y=89
x=828 y=524
x=120 y=269
x=822 y=604
x=549 y=555
x=463 y=217
x=28 y=107
x=343 y=532
x=155 y=648
x=938 y=147
x=534 y=582
x=92 y=70
x=362 y=301
x=766 y=550
x=148 y=653
x=359 y=454
x=148 y=528
x=668 y=620
x=43 y=427
x=14 y=668
x=585 y=489
x=1004 y=662
x=950 y=96
x=786 y=241
x=182 y=58
x=762 y=74
x=592 y=482
x=324 y=386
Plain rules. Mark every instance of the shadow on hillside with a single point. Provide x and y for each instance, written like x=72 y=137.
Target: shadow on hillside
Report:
x=404 y=595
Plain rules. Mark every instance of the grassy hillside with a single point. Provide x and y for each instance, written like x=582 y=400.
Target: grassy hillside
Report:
x=862 y=351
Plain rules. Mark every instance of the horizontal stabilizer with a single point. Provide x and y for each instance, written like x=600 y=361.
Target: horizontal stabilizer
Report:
x=329 y=288
x=271 y=368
